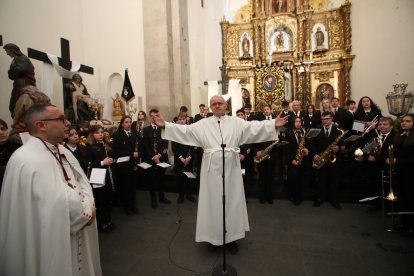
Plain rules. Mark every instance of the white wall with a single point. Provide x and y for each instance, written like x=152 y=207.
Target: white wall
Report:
x=382 y=40
x=104 y=34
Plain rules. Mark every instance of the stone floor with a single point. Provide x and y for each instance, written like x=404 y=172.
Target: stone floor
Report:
x=284 y=240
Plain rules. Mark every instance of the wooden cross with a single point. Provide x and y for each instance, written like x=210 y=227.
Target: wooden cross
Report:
x=64 y=61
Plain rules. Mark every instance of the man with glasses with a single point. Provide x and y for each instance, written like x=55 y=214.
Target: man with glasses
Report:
x=328 y=174
x=213 y=134
x=47 y=213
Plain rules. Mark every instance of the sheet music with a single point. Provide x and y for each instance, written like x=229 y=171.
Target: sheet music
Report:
x=368 y=198
x=144 y=165
x=243 y=171
x=368 y=148
x=123 y=159
x=358 y=126
x=352 y=138
x=97 y=178
x=163 y=165
x=312 y=133
x=189 y=175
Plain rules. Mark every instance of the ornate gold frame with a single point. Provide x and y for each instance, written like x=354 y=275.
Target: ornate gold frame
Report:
x=308 y=65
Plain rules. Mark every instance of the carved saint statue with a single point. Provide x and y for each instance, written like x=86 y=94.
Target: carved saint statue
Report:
x=319 y=38
x=280 y=42
x=118 y=108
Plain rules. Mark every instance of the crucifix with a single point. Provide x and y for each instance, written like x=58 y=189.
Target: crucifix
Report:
x=64 y=61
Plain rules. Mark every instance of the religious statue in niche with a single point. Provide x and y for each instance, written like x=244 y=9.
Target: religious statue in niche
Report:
x=245 y=47
x=118 y=108
x=269 y=82
x=280 y=41
x=324 y=91
x=279 y=6
x=78 y=111
x=319 y=39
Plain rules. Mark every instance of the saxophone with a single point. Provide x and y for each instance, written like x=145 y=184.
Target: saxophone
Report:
x=299 y=152
x=265 y=153
x=327 y=154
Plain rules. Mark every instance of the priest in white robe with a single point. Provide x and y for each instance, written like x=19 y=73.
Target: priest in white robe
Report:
x=47 y=214
x=209 y=134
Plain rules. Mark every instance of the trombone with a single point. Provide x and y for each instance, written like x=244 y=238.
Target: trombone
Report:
x=388 y=179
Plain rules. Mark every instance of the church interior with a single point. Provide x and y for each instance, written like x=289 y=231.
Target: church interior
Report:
x=135 y=56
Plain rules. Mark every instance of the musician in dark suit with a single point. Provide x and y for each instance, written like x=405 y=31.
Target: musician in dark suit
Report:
x=296 y=174
x=374 y=161
x=183 y=162
x=328 y=174
x=72 y=144
x=404 y=164
x=184 y=112
x=341 y=116
x=266 y=167
x=247 y=113
x=366 y=111
x=312 y=118
x=200 y=115
x=246 y=159
x=140 y=124
x=98 y=154
x=125 y=144
x=286 y=112
x=154 y=151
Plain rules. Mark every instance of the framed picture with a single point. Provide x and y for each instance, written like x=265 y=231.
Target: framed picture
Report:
x=269 y=82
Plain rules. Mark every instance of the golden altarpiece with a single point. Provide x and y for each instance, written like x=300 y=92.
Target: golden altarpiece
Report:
x=289 y=50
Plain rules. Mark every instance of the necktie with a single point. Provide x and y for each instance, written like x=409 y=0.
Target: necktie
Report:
x=155 y=128
x=129 y=133
x=268 y=117
x=327 y=132
x=297 y=136
x=383 y=136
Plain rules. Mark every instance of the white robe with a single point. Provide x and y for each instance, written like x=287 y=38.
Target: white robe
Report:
x=42 y=219
x=206 y=134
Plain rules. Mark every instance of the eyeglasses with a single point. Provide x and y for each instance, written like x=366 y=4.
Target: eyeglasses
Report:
x=324 y=119
x=61 y=118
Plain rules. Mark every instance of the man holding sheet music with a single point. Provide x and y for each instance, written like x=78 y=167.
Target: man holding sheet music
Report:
x=210 y=134
x=47 y=213
x=154 y=152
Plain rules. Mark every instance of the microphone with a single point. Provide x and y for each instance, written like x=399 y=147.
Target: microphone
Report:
x=221 y=134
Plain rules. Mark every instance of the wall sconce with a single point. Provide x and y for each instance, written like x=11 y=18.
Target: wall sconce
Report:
x=398 y=101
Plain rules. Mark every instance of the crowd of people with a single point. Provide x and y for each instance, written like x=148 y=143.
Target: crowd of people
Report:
x=312 y=146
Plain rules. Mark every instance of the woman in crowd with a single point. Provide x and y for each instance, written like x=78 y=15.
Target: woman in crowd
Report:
x=125 y=145
x=78 y=98
x=99 y=155
x=312 y=117
x=404 y=164
x=72 y=144
x=139 y=125
x=366 y=111
x=6 y=148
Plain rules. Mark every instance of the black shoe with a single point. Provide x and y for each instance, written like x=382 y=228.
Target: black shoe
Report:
x=180 y=199
x=135 y=210
x=262 y=201
x=296 y=202
x=318 y=202
x=270 y=201
x=233 y=248
x=154 y=204
x=336 y=205
x=191 y=198
x=111 y=226
x=165 y=200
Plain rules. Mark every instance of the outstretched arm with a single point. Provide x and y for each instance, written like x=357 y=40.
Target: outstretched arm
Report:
x=281 y=121
x=159 y=120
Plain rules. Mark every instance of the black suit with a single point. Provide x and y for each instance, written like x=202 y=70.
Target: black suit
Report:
x=94 y=154
x=184 y=151
x=312 y=122
x=266 y=170
x=79 y=154
x=152 y=145
x=124 y=145
x=328 y=174
x=341 y=118
x=296 y=173
x=198 y=117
